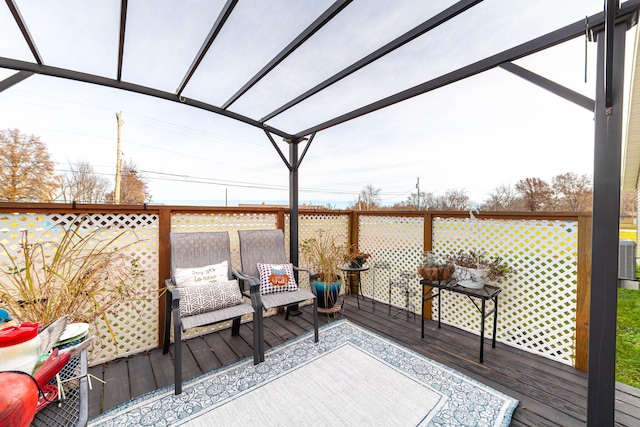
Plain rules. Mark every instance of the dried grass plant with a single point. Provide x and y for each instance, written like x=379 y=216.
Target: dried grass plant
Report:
x=84 y=276
x=325 y=256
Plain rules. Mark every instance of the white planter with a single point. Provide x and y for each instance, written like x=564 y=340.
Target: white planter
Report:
x=470 y=277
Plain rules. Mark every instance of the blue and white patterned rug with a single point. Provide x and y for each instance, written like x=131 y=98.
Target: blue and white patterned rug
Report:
x=351 y=377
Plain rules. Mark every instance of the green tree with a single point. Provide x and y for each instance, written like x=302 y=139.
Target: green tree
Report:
x=27 y=173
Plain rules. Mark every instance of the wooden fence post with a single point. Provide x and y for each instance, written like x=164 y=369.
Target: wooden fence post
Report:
x=583 y=293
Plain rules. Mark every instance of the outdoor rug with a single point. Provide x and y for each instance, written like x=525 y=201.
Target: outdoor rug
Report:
x=351 y=377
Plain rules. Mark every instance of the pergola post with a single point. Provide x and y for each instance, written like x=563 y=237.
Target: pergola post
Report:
x=294 y=198
x=606 y=217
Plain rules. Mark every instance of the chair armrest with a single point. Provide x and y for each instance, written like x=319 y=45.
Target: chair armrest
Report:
x=173 y=293
x=309 y=272
x=254 y=282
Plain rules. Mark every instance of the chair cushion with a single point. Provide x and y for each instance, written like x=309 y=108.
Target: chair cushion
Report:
x=276 y=278
x=202 y=275
x=209 y=297
x=217 y=316
x=286 y=298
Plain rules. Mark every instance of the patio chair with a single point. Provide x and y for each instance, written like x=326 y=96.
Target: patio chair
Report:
x=201 y=291
x=266 y=247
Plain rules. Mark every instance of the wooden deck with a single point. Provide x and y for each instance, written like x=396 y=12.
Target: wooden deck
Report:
x=550 y=393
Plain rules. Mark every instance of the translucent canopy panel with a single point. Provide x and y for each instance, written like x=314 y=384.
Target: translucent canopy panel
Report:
x=163 y=37
x=489 y=28
x=255 y=32
x=12 y=45
x=84 y=37
x=360 y=29
x=292 y=67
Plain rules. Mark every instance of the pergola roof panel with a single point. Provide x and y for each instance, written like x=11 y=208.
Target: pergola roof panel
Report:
x=12 y=44
x=161 y=42
x=254 y=33
x=85 y=37
x=352 y=34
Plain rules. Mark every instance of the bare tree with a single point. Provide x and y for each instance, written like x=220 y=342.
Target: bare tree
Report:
x=424 y=202
x=628 y=203
x=133 y=187
x=27 y=173
x=573 y=191
x=537 y=194
x=369 y=198
x=452 y=200
x=503 y=198
x=82 y=184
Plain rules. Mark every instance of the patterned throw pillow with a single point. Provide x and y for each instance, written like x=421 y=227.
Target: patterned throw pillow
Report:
x=202 y=275
x=276 y=278
x=210 y=297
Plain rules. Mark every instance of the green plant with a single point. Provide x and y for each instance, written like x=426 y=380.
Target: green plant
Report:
x=84 y=275
x=496 y=267
x=324 y=256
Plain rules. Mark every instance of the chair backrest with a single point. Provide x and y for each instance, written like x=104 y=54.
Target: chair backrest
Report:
x=264 y=246
x=197 y=249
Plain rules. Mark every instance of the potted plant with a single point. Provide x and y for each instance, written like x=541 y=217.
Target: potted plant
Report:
x=325 y=256
x=433 y=270
x=356 y=258
x=472 y=268
x=83 y=275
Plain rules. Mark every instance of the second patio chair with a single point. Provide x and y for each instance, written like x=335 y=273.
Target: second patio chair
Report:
x=201 y=291
x=267 y=289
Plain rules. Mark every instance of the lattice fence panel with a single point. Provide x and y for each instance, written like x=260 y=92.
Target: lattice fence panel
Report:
x=135 y=324
x=231 y=222
x=396 y=242
x=310 y=225
x=537 y=306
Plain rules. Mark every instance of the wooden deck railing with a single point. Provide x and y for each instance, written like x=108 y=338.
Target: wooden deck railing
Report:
x=552 y=253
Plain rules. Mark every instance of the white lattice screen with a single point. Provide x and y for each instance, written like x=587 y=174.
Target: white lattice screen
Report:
x=537 y=305
x=134 y=324
x=395 y=244
x=310 y=225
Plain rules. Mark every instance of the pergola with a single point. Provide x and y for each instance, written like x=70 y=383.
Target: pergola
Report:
x=607 y=28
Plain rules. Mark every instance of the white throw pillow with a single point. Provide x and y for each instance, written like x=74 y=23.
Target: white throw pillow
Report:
x=202 y=275
x=210 y=297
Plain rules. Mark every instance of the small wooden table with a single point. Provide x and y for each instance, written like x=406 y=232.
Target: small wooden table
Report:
x=486 y=293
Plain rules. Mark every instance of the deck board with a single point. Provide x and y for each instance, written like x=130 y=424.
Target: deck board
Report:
x=140 y=369
x=550 y=393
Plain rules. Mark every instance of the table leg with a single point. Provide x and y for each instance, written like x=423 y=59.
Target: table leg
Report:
x=439 y=309
x=422 y=313
x=495 y=320
x=482 y=332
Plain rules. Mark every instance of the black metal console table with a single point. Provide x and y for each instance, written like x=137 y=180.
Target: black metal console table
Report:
x=487 y=293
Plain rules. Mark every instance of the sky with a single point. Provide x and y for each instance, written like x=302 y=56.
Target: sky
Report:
x=486 y=131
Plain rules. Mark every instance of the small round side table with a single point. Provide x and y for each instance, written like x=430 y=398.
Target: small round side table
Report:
x=350 y=272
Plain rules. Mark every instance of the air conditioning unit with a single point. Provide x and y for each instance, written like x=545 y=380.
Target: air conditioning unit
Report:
x=627 y=259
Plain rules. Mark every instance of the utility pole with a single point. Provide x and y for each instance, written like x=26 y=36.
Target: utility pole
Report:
x=418 y=187
x=116 y=197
